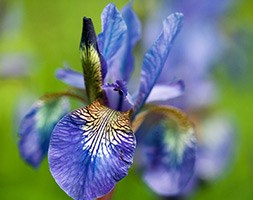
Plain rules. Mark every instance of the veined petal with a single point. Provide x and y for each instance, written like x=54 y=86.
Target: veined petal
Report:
x=113 y=31
x=162 y=92
x=121 y=38
x=155 y=57
x=90 y=150
x=166 y=149
x=113 y=34
x=70 y=77
x=37 y=126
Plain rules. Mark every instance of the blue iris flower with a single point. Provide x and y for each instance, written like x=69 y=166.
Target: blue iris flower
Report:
x=90 y=149
x=198 y=49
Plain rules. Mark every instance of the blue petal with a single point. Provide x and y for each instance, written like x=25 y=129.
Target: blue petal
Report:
x=90 y=150
x=117 y=96
x=166 y=154
x=133 y=24
x=113 y=34
x=155 y=58
x=70 y=77
x=124 y=59
x=162 y=92
x=36 y=127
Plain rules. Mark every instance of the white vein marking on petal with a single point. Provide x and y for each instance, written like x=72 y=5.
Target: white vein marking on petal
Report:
x=103 y=130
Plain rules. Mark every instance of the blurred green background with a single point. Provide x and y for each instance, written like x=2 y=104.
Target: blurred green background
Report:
x=42 y=35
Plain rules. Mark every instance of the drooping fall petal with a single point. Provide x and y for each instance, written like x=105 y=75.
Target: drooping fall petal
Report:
x=166 y=149
x=37 y=126
x=90 y=150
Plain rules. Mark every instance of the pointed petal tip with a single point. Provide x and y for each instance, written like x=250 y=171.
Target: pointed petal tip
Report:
x=113 y=31
x=175 y=21
x=88 y=36
x=108 y=7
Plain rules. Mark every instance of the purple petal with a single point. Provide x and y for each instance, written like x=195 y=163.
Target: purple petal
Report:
x=90 y=150
x=165 y=92
x=216 y=147
x=36 y=127
x=155 y=58
x=70 y=77
x=113 y=33
x=166 y=154
x=117 y=96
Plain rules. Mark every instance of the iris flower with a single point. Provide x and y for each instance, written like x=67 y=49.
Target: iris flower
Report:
x=199 y=47
x=91 y=148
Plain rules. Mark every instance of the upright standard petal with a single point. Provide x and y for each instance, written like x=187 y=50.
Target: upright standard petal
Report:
x=155 y=58
x=166 y=150
x=123 y=61
x=91 y=61
x=113 y=34
x=90 y=150
x=71 y=77
x=133 y=24
x=37 y=126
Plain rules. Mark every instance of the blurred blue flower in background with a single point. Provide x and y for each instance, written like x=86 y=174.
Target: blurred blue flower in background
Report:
x=90 y=149
x=194 y=56
x=12 y=64
x=200 y=45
